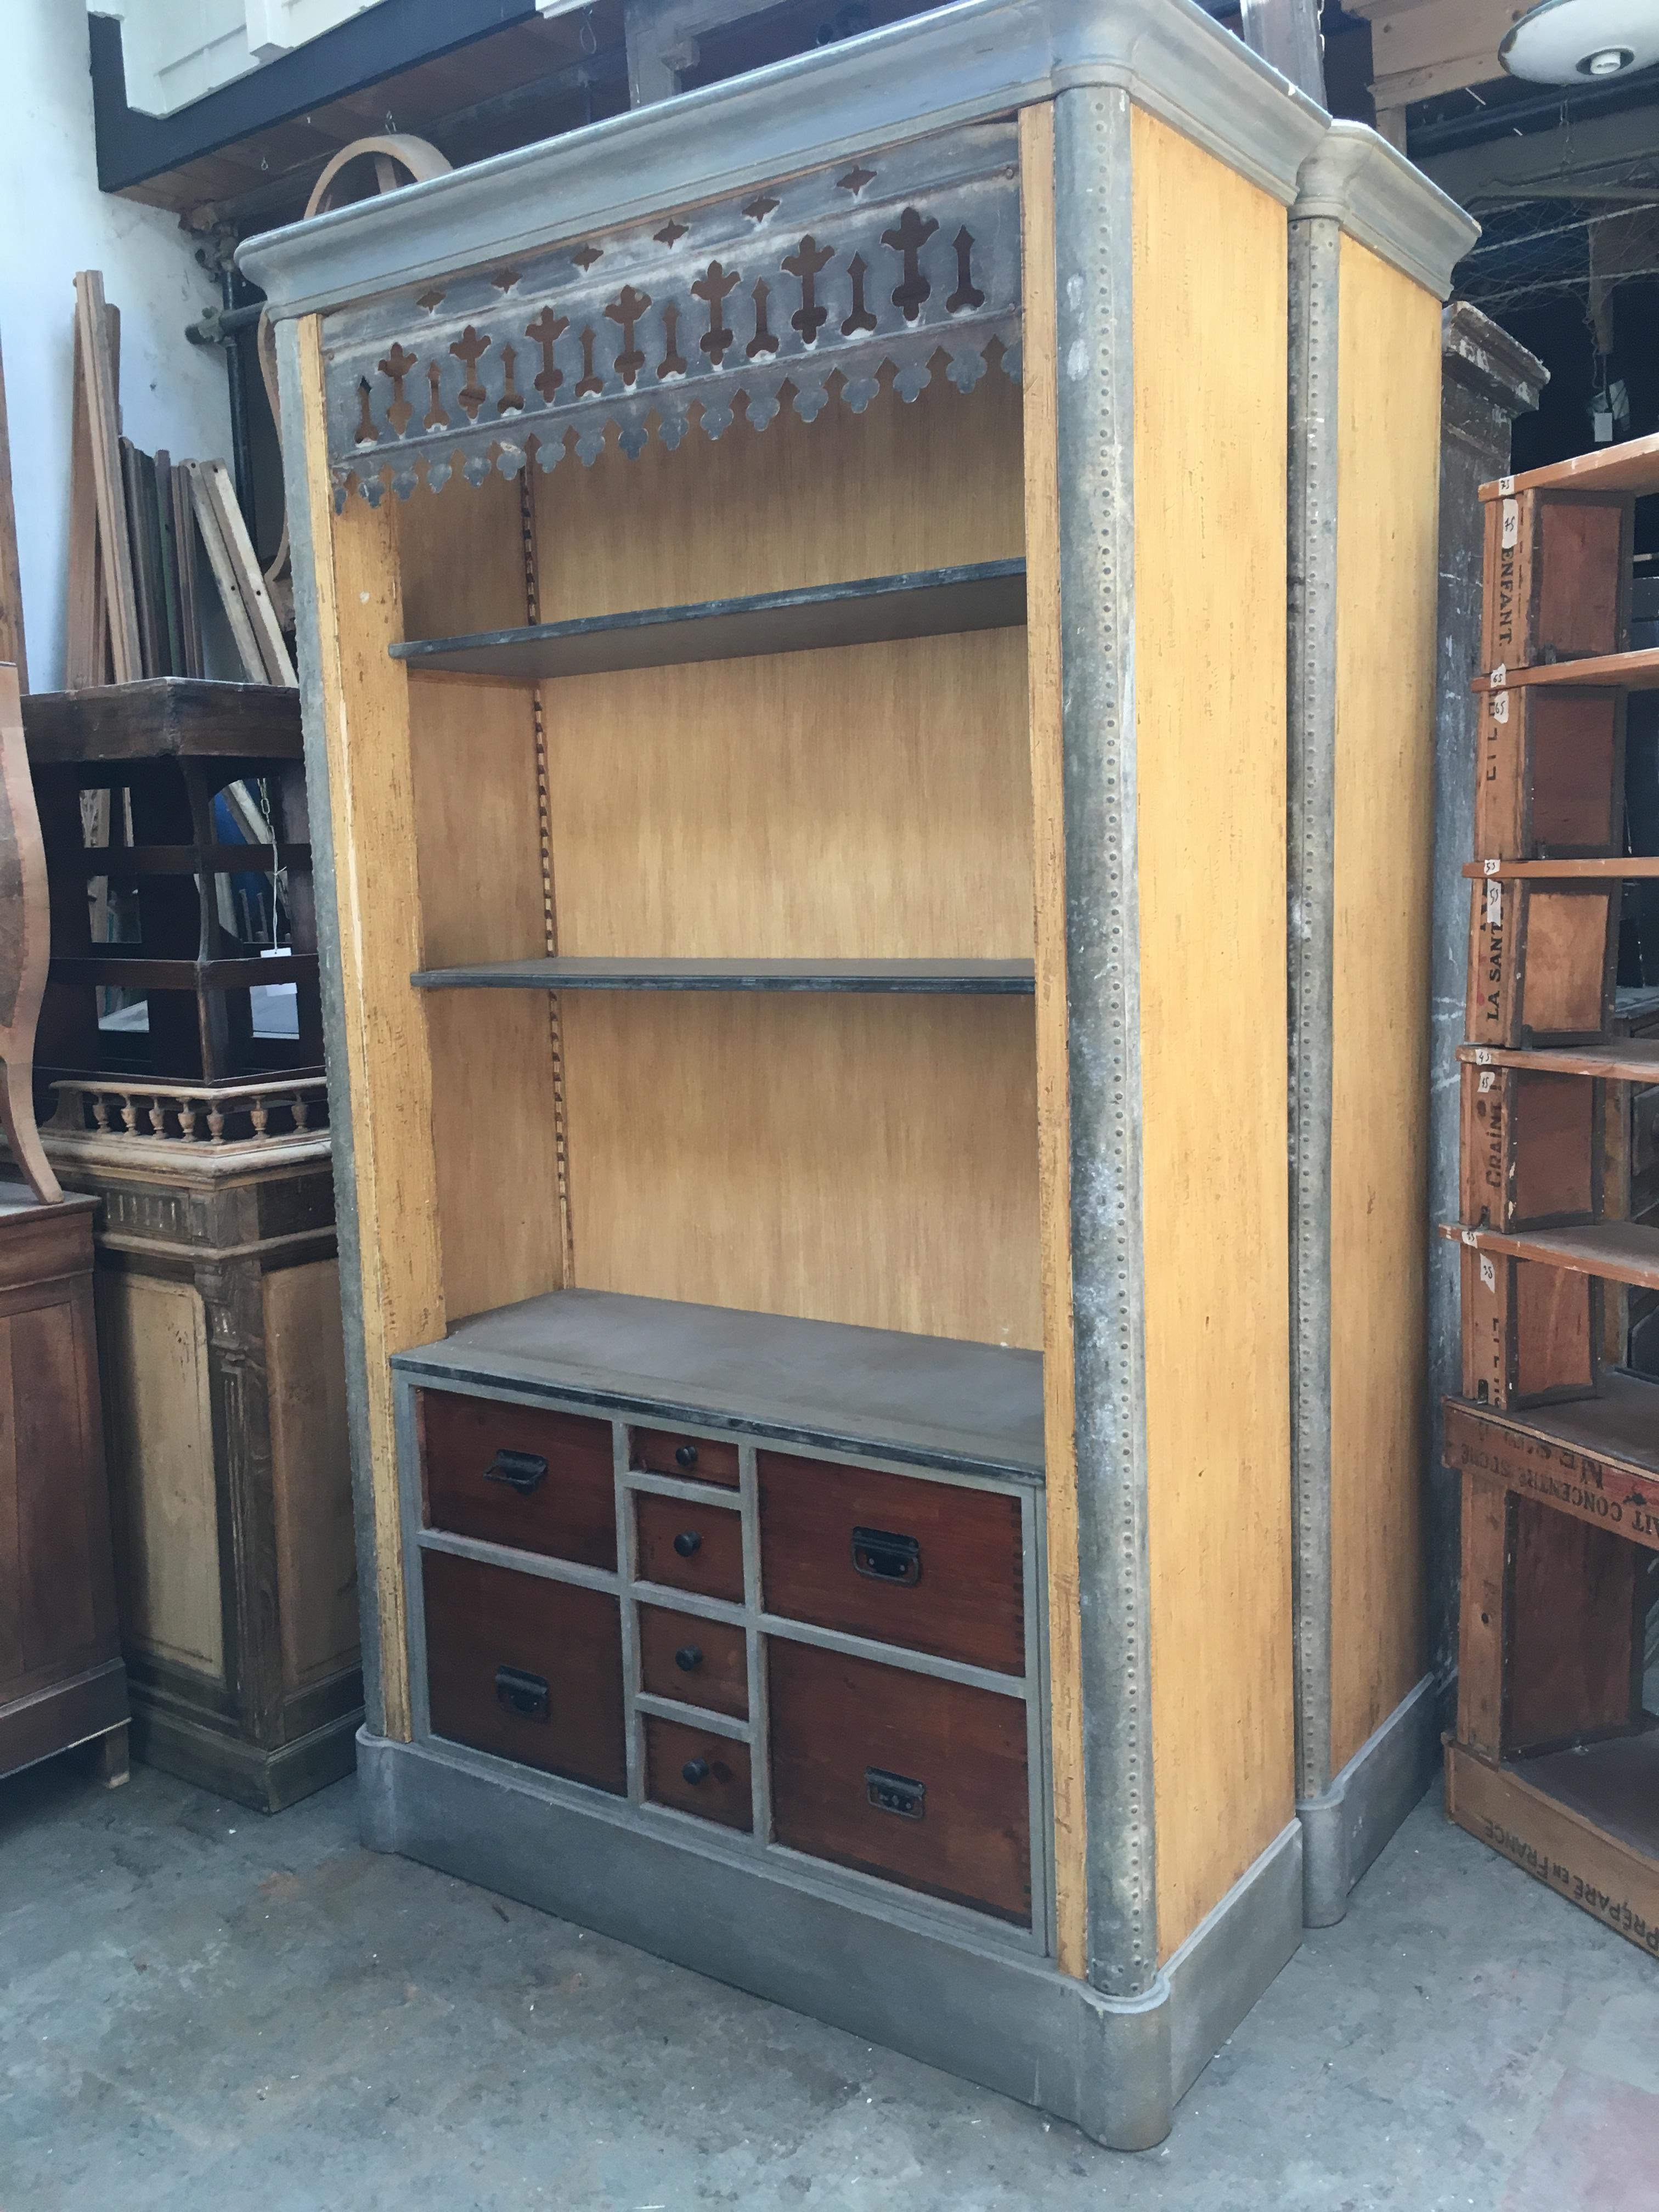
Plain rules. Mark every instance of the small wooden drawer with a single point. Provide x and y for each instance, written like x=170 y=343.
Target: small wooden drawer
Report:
x=694 y=1459
x=700 y=1662
x=1541 y=961
x=1532 y=1335
x=687 y=1544
x=528 y=1669
x=1551 y=776
x=1533 y=1149
x=538 y=1480
x=696 y=1772
x=922 y=1782
x=1557 y=584
x=931 y=1565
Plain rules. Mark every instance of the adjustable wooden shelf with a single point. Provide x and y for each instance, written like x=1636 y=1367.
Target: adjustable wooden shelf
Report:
x=1555 y=1759
x=806 y=804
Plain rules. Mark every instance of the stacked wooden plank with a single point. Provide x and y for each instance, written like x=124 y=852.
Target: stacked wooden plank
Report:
x=148 y=537
x=1555 y=1759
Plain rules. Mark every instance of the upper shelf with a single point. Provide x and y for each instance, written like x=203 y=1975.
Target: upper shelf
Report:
x=1627 y=671
x=1625 y=1060
x=1615 y=867
x=569 y=972
x=869 y=611
x=1633 y=467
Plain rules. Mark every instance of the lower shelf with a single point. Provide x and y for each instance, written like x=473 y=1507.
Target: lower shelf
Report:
x=1615 y=1251
x=1609 y=1865
x=1596 y=1459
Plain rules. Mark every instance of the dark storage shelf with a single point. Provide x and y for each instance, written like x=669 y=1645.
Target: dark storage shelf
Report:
x=937 y=1401
x=127 y=966
x=573 y=973
x=870 y=611
x=162 y=717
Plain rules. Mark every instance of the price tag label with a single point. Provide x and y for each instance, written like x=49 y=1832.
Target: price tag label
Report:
x=1491 y=867
x=1494 y=902
x=1488 y=1080
x=1483 y=1056
x=1500 y=706
x=1506 y=487
x=1511 y=529
x=1488 y=1272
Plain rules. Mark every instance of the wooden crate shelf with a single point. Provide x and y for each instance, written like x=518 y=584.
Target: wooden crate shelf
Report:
x=570 y=972
x=1618 y=867
x=868 y=610
x=1628 y=672
x=1625 y=1060
x=1614 y=1251
x=1632 y=467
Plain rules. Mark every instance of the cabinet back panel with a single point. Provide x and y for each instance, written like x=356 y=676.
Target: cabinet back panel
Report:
x=865 y=800
x=925 y=485
x=850 y=1157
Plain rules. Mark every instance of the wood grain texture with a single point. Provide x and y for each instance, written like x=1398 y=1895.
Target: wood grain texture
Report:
x=932 y=484
x=834 y=1718
x=1483 y=1632
x=1575 y=1668
x=862 y=801
x=570 y=1514
x=1388 y=517
x=12 y=646
x=365 y=718
x=1210 y=444
x=692 y=1459
x=311 y=1471
x=1040 y=385
x=843 y=1157
x=154 y=1338
x=968 y=1600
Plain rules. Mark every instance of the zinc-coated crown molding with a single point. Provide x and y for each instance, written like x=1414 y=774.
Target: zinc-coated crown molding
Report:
x=963 y=63
x=1356 y=178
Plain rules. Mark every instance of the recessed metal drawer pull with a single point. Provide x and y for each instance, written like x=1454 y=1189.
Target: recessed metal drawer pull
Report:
x=521 y=1470
x=886 y=1559
x=895 y=1793
x=523 y=1696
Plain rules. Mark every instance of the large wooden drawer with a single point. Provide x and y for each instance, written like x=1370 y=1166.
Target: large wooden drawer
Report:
x=895 y=1556
x=528 y=1669
x=521 y=1475
x=921 y=1781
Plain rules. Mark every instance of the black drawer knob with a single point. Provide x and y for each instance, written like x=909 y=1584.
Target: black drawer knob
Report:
x=520 y=1471
x=687 y=1542
x=689 y=1658
x=694 y=1770
x=686 y=1455
x=523 y=1696
x=884 y=1557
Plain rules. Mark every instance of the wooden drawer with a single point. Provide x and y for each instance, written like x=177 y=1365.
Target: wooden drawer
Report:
x=694 y=1459
x=930 y=1564
x=697 y=1772
x=528 y=1669
x=1557 y=583
x=1542 y=960
x=538 y=1480
x=701 y=1663
x=689 y=1546
x=921 y=1781
x=1532 y=1335
x=1532 y=1149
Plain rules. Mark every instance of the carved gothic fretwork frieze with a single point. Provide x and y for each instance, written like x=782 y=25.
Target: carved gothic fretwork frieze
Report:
x=905 y=261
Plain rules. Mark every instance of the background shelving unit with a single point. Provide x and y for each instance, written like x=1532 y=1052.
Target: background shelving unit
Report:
x=1556 y=1753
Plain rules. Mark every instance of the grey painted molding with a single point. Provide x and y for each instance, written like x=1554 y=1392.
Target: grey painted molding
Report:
x=1094 y=279
x=1315 y=271
x=1114 y=2068
x=1345 y=1827
x=963 y=63
x=1357 y=179
x=1487 y=379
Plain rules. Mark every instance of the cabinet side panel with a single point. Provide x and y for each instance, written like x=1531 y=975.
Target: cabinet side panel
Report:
x=153 y=1335
x=845 y=1157
x=1387 y=511
x=1210 y=345
x=310 y=1474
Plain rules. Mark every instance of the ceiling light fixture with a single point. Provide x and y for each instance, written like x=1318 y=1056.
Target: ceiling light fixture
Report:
x=1568 y=42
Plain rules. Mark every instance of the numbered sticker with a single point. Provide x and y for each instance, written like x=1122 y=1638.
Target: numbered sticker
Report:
x=1499 y=676
x=1491 y=867
x=1511 y=524
x=1500 y=706
x=1494 y=902
x=1488 y=1272
x=1506 y=487
x=1470 y=1238
x=1483 y=1056
x=1488 y=1081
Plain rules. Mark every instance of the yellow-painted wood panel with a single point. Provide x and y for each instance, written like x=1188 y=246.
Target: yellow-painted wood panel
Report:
x=1209 y=330
x=871 y=801
x=1037 y=162
x=154 y=1355
x=901 y=486
x=366 y=720
x=311 y=1471
x=1387 y=516
x=844 y=1156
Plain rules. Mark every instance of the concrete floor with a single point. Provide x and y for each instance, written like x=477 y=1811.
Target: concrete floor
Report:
x=201 y=2007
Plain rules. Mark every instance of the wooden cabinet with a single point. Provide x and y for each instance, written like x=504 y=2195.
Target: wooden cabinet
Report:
x=62 y=1681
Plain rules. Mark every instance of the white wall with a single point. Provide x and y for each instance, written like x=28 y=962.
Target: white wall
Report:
x=54 y=220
